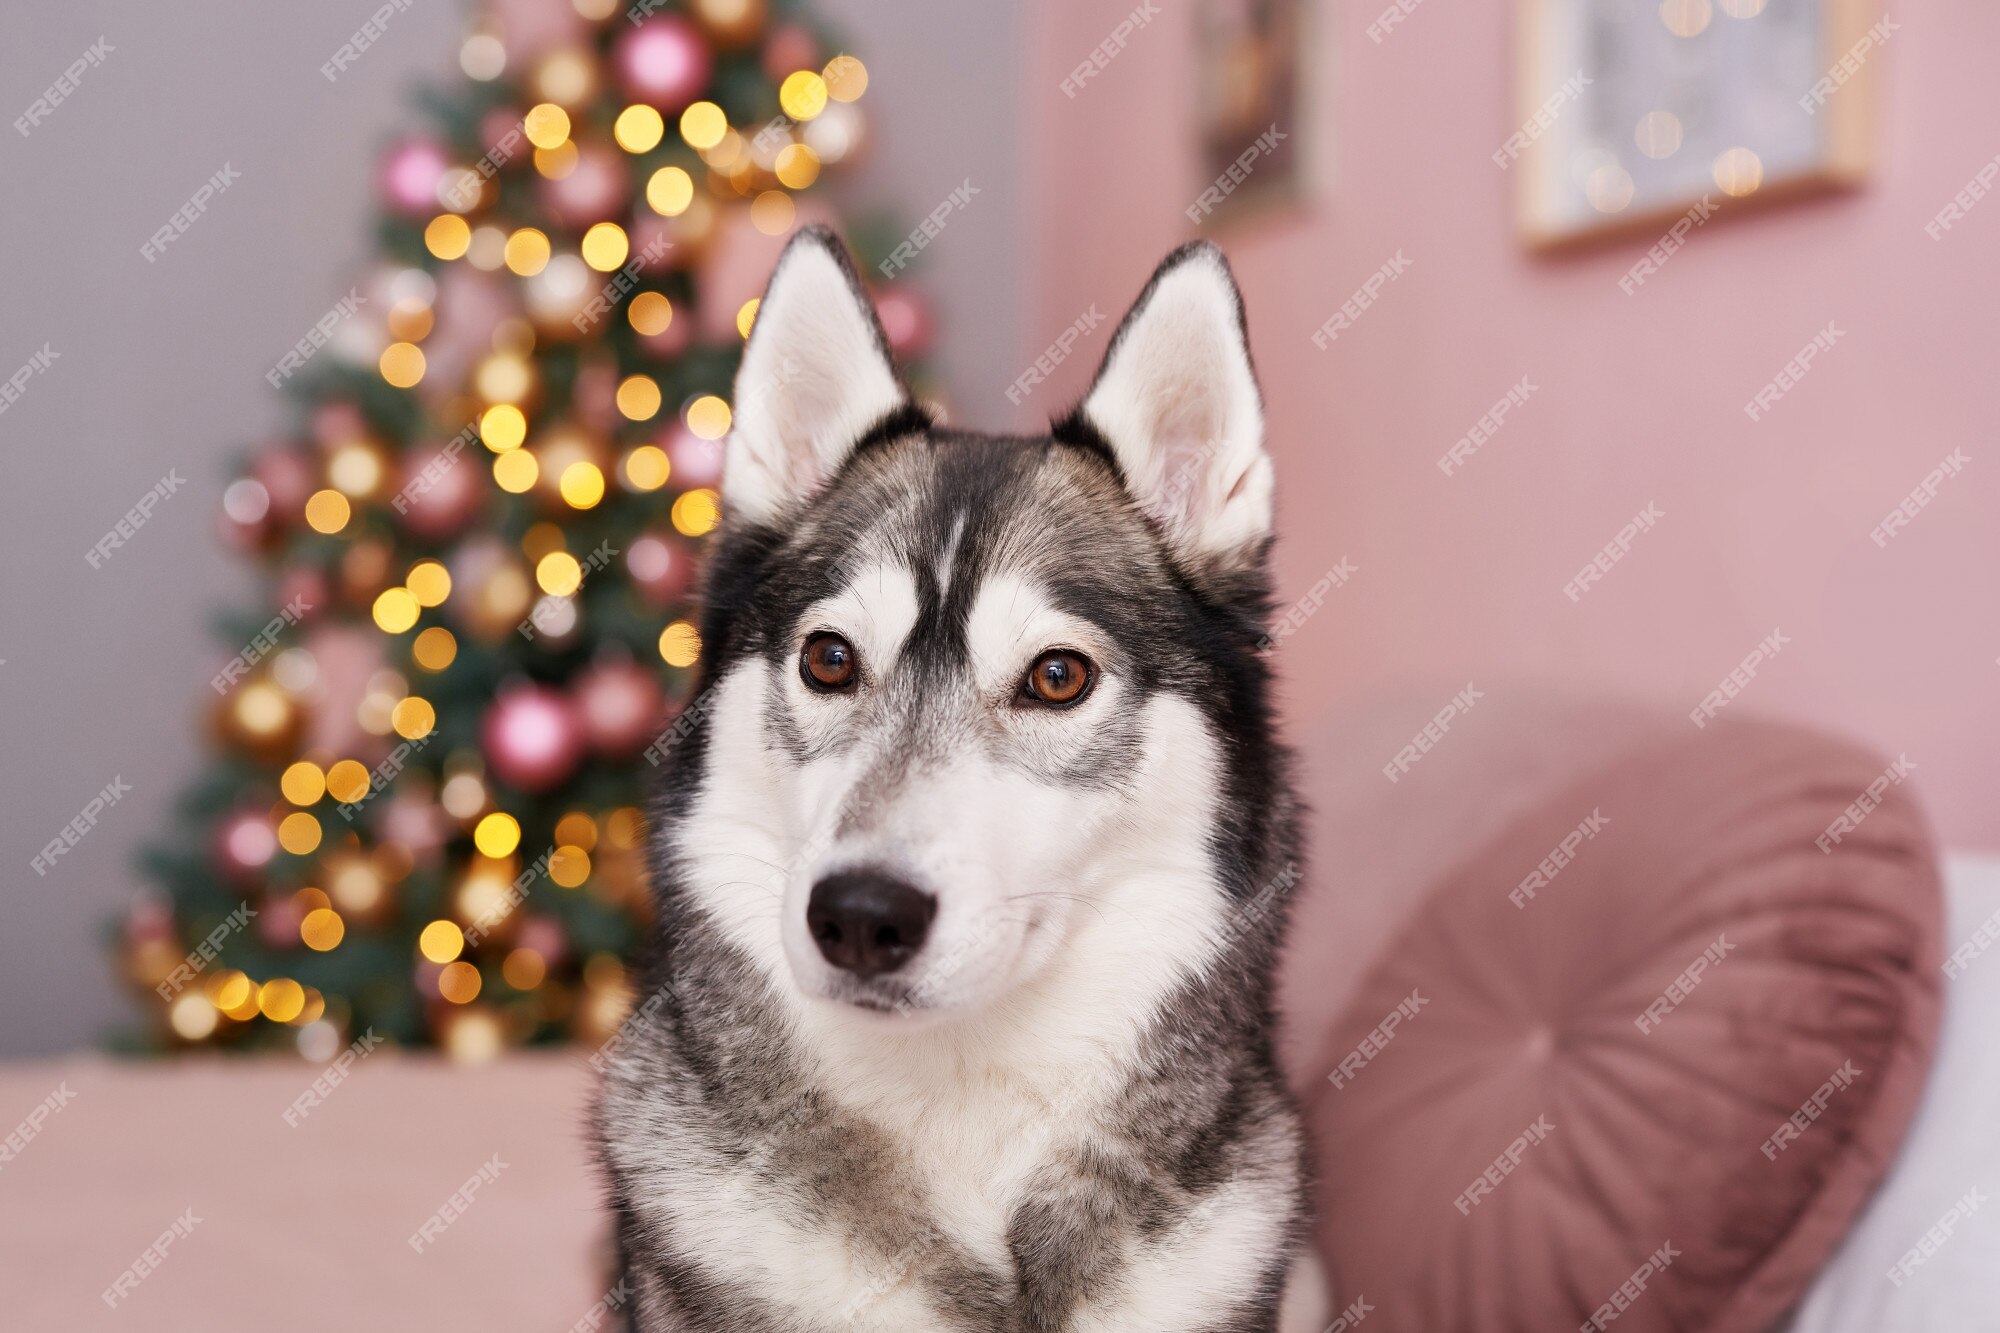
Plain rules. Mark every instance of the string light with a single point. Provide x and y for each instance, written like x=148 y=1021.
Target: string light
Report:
x=546 y=125
x=605 y=246
x=650 y=313
x=802 y=95
x=303 y=783
x=441 y=941
x=703 y=124
x=708 y=417
x=639 y=397
x=498 y=834
x=639 y=128
x=680 y=644
x=327 y=511
x=448 y=236
x=582 y=485
x=647 y=468
x=670 y=191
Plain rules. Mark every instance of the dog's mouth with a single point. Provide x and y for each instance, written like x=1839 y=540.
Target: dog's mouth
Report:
x=886 y=997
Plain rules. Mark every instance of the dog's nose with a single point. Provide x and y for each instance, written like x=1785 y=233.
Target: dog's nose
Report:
x=868 y=923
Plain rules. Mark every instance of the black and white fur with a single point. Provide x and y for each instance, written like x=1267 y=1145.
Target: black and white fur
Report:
x=1064 y=1113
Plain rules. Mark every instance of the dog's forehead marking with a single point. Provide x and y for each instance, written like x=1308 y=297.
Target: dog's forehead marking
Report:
x=950 y=560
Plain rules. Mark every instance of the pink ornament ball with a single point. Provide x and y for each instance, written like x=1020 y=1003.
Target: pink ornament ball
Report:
x=664 y=61
x=532 y=738
x=410 y=176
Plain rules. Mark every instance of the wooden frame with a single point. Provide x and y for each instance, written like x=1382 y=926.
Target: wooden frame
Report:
x=1553 y=214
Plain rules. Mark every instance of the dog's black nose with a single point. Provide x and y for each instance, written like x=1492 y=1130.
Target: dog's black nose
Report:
x=867 y=923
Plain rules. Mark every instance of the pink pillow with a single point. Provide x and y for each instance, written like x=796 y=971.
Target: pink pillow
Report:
x=1641 y=1060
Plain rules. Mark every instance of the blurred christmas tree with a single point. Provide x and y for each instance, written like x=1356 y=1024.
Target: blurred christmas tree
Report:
x=425 y=819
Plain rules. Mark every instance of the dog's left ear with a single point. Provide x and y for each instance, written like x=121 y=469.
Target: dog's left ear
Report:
x=1177 y=402
x=815 y=377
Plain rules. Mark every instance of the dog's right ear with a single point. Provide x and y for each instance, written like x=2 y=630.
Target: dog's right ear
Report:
x=815 y=376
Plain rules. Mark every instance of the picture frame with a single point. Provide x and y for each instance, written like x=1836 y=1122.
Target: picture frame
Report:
x=1630 y=115
x=1251 y=77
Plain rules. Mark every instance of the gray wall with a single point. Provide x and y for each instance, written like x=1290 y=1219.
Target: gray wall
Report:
x=160 y=366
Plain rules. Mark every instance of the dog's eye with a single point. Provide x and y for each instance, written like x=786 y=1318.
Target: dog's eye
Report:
x=827 y=663
x=1058 y=678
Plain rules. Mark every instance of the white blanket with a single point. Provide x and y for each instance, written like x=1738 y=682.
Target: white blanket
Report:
x=1925 y=1255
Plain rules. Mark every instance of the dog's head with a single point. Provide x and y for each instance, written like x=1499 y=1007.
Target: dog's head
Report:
x=975 y=707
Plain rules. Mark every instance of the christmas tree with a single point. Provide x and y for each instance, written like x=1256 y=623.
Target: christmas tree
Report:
x=435 y=736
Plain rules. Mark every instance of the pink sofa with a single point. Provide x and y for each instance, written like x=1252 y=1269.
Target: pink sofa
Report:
x=309 y=1226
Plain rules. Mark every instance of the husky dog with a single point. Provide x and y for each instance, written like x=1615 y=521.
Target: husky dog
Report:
x=972 y=858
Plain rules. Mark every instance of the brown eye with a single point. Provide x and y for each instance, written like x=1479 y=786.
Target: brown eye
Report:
x=1058 y=678
x=827 y=664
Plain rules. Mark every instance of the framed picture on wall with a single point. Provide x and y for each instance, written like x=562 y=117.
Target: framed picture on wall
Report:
x=1250 y=108
x=1631 y=113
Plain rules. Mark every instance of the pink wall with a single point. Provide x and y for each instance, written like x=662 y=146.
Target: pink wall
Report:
x=1638 y=398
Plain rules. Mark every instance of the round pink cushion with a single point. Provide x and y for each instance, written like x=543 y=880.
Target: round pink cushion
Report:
x=1514 y=1138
